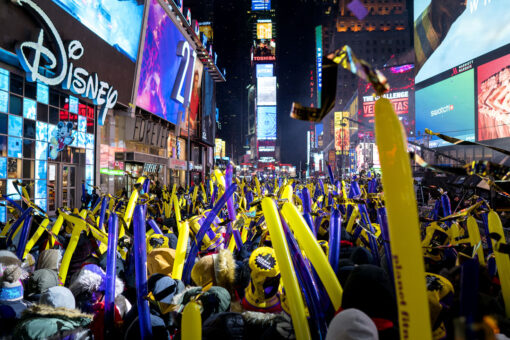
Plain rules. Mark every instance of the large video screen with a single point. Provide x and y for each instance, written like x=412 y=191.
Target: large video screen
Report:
x=266 y=91
x=265 y=30
x=266 y=122
x=450 y=33
x=260 y=5
x=401 y=96
x=159 y=72
x=118 y=22
x=446 y=107
x=493 y=99
x=195 y=103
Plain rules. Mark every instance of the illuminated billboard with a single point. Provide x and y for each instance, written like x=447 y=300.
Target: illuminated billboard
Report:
x=401 y=96
x=264 y=70
x=266 y=91
x=206 y=28
x=264 y=50
x=342 y=135
x=318 y=46
x=443 y=108
x=265 y=30
x=493 y=93
x=260 y=5
x=266 y=122
x=167 y=67
x=450 y=33
x=118 y=22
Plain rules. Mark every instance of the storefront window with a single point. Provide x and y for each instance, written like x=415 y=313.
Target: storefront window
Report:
x=29 y=115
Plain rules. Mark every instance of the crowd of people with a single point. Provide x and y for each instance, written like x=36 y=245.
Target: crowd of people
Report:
x=236 y=279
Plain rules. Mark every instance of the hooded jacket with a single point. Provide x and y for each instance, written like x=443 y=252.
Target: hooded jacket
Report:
x=43 y=322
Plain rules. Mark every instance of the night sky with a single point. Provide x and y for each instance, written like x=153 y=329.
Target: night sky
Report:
x=295 y=58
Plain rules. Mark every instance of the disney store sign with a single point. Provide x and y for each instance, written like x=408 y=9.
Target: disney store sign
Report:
x=43 y=65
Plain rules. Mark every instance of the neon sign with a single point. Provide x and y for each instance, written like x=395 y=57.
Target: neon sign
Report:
x=34 y=55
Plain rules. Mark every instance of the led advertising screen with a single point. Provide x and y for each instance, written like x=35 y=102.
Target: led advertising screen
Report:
x=493 y=99
x=195 y=103
x=266 y=122
x=342 y=132
x=318 y=47
x=265 y=30
x=264 y=50
x=163 y=90
x=260 y=5
x=443 y=108
x=264 y=70
x=118 y=22
x=208 y=109
x=450 y=33
x=266 y=91
x=401 y=96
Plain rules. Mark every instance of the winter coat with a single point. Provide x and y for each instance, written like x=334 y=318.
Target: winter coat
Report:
x=43 y=322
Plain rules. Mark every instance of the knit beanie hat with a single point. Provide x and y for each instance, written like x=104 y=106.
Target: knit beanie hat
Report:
x=11 y=288
x=352 y=324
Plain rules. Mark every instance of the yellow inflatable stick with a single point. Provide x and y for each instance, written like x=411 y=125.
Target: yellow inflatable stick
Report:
x=182 y=243
x=502 y=260
x=404 y=230
x=38 y=233
x=55 y=229
x=290 y=282
x=454 y=233
x=287 y=193
x=128 y=214
x=73 y=242
x=191 y=322
x=314 y=252
x=257 y=187
x=474 y=239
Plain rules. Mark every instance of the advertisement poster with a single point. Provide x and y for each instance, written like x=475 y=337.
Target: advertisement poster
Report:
x=118 y=22
x=195 y=104
x=159 y=73
x=447 y=39
x=266 y=91
x=494 y=99
x=266 y=122
x=264 y=50
x=401 y=96
x=443 y=108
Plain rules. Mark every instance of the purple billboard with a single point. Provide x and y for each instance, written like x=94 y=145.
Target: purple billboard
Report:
x=167 y=68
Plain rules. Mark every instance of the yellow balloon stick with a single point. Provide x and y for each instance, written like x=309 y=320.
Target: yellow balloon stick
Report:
x=474 y=239
x=128 y=214
x=502 y=260
x=191 y=322
x=404 y=230
x=71 y=247
x=38 y=233
x=289 y=278
x=180 y=249
x=287 y=193
x=55 y=229
x=314 y=253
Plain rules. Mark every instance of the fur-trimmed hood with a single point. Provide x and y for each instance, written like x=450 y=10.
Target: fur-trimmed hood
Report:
x=225 y=270
x=91 y=279
x=59 y=312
